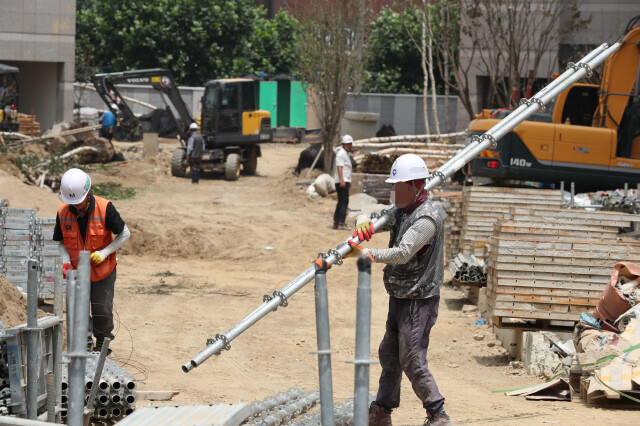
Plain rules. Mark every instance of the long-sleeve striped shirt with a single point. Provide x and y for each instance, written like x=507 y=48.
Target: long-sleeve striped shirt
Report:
x=416 y=237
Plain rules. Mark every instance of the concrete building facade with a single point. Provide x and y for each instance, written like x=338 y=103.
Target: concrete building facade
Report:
x=608 y=20
x=38 y=37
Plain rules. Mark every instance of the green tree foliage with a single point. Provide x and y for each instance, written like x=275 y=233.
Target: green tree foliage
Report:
x=196 y=39
x=394 y=62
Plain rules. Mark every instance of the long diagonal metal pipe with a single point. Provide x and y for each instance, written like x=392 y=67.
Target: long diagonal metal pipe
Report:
x=334 y=256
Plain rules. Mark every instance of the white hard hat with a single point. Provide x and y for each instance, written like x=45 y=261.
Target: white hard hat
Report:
x=347 y=139
x=406 y=168
x=114 y=106
x=193 y=126
x=74 y=186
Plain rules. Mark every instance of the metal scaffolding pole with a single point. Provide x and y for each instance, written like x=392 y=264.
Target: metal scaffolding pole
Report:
x=57 y=339
x=32 y=340
x=363 y=344
x=78 y=352
x=478 y=144
x=324 y=345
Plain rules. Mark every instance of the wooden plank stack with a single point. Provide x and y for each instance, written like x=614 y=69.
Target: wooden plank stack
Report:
x=551 y=265
x=453 y=223
x=29 y=125
x=484 y=206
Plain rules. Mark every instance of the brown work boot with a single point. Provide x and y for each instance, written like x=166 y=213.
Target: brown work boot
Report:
x=335 y=225
x=438 y=419
x=379 y=416
x=343 y=227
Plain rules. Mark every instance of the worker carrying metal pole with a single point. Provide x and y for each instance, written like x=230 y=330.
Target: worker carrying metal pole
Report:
x=413 y=276
x=87 y=222
x=222 y=341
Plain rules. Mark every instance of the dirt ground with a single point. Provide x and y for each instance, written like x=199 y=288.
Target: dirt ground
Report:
x=202 y=256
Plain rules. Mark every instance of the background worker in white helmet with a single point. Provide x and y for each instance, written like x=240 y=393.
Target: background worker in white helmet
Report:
x=87 y=222
x=342 y=178
x=195 y=150
x=109 y=122
x=412 y=277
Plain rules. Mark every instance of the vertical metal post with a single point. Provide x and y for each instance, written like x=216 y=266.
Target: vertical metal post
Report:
x=32 y=340
x=638 y=193
x=363 y=343
x=51 y=398
x=96 y=380
x=78 y=353
x=561 y=193
x=324 y=345
x=57 y=339
x=573 y=194
x=71 y=297
x=626 y=190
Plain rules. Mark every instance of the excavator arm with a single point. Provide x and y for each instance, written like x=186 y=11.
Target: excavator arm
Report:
x=619 y=79
x=160 y=79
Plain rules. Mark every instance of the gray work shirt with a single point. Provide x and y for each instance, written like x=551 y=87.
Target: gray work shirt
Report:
x=195 y=145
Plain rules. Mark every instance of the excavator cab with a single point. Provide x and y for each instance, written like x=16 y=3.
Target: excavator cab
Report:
x=230 y=115
x=9 y=98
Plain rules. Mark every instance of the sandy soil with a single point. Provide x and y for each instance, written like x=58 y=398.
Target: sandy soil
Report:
x=201 y=257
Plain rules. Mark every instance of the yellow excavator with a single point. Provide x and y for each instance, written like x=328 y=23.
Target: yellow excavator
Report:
x=591 y=136
x=9 y=98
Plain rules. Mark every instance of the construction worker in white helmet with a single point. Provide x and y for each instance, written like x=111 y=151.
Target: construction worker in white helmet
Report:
x=88 y=222
x=412 y=277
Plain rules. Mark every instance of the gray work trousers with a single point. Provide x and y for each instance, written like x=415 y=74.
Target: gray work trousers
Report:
x=404 y=349
x=101 y=319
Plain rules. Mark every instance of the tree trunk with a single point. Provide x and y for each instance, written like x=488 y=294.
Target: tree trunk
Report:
x=444 y=19
x=425 y=86
x=434 y=92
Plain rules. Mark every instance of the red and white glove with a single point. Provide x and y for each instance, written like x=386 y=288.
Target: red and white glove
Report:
x=66 y=267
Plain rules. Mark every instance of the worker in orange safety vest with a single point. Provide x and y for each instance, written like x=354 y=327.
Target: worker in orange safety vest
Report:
x=88 y=222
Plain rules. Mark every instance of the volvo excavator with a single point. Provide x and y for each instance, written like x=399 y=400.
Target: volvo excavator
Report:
x=230 y=124
x=590 y=136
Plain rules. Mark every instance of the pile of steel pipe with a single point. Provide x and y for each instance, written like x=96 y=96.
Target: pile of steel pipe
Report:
x=116 y=396
x=282 y=408
x=468 y=269
x=342 y=412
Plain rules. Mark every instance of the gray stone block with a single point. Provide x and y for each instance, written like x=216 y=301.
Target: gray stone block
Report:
x=66 y=46
x=47 y=23
x=11 y=46
x=29 y=22
x=47 y=49
x=10 y=6
x=29 y=47
x=28 y=6
x=10 y=22
x=50 y=7
x=68 y=7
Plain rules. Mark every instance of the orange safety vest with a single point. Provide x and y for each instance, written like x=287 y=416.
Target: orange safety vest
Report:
x=97 y=237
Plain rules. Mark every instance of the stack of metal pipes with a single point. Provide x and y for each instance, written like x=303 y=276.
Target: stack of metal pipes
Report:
x=283 y=407
x=116 y=395
x=468 y=268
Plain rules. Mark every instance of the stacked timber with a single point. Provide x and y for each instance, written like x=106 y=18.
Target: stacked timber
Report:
x=29 y=125
x=484 y=206
x=452 y=201
x=551 y=265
